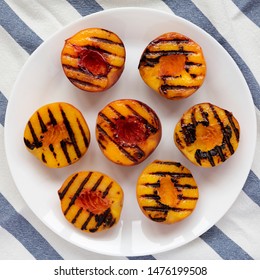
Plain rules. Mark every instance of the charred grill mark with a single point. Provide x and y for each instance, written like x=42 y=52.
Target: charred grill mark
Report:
x=156 y=55
x=236 y=131
x=149 y=126
x=42 y=124
x=112 y=125
x=106 y=191
x=104 y=218
x=177 y=185
x=176 y=40
x=205 y=115
x=103 y=147
x=151 y=196
x=217 y=150
x=28 y=144
x=157 y=219
x=172 y=174
x=99 y=49
x=82 y=83
x=210 y=158
x=193 y=119
x=181 y=197
x=111 y=221
x=70 y=56
x=52 y=118
x=165 y=53
x=94 y=188
x=43 y=158
x=165 y=208
x=153 y=185
x=80 y=71
x=225 y=132
x=194 y=75
x=148 y=62
x=76 y=216
x=36 y=143
x=178 y=140
x=66 y=188
x=139 y=153
x=63 y=145
x=166 y=79
x=199 y=155
x=71 y=133
x=84 y=71
x=85 y=138
x=128 y=155
x=116 y=112
x=105 y=53
x=77 y=193
x=167 y=163
x=190 y=64
x=189 y=132
x=85 y=224
x=164 y=88
x=107 y=41
x=77 y=70
x=185 y=186
x=52 y=150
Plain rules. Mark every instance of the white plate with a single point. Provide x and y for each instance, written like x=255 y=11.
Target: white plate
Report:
x=42 y=81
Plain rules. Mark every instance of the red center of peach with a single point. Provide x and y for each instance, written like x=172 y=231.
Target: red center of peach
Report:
x=94 y=62
x=172 y=65
x=130 y=131
x=93 y=202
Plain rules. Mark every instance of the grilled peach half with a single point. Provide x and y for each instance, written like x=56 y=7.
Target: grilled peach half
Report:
x=173 y=65
x=166 y=192
x=207 y=134
x=93 y=59
x=91 y=201
x=127 y=131
x=57 y=134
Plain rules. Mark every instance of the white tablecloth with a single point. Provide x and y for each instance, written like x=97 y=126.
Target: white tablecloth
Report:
x=26 y=24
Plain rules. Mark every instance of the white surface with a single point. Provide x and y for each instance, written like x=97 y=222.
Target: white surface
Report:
x=42 y=81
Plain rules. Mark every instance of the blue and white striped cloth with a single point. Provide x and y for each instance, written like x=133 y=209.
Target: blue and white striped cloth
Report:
x=26 y=24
